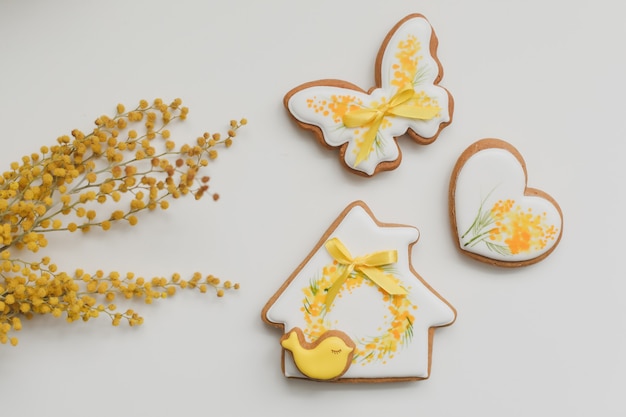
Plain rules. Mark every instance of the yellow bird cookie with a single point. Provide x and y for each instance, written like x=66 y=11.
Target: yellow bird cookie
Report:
x=327 y=358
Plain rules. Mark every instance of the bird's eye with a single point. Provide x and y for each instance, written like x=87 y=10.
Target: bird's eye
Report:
x=336 y=352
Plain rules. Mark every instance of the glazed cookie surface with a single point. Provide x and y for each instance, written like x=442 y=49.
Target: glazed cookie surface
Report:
x=496 y=218
x=355 y=310
x=364 y=125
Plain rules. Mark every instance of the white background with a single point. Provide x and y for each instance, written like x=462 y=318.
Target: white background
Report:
x=546 y=76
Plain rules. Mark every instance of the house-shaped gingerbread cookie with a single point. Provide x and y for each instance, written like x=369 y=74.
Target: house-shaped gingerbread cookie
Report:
x=355 y=310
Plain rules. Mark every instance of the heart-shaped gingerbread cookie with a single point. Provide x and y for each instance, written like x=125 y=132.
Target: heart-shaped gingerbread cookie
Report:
x=496 y=218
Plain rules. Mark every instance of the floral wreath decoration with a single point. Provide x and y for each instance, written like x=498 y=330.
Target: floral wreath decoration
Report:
x=344 y=275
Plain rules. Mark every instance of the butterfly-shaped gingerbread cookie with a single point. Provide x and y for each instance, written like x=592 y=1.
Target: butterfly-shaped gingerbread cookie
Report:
x=365 y=125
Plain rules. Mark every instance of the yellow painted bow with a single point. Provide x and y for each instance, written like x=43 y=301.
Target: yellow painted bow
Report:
x=369 y=265
x=373 y=117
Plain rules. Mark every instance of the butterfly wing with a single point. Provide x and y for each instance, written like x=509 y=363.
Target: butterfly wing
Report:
x=409 y=58
x=322 y=105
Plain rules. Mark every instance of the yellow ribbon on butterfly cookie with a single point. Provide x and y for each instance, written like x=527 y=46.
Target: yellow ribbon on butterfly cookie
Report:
x=369 y=265
x=398 y=105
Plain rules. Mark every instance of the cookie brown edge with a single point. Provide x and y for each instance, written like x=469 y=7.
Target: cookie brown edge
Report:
x=434 y=43
x=474 y=148
x=320 y=243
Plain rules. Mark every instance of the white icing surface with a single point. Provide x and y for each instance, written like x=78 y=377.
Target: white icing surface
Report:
x=359 y=313
x=486 y=177
x=335 y=133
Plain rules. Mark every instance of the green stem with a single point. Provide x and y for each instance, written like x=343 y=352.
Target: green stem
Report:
x=477 y=239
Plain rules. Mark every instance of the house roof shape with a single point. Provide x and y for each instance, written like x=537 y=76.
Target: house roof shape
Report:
x=393 y=334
